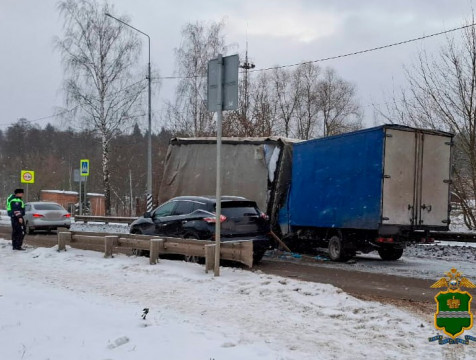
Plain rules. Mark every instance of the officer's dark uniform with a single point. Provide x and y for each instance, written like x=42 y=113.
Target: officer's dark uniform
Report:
x=16 y=208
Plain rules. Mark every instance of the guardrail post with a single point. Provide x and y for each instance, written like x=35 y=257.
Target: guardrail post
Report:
x=109 y=242
x=154 y=250
x=209 y=257
x=63 y=237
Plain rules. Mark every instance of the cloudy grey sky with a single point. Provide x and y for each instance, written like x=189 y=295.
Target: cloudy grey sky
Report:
x=279 y=33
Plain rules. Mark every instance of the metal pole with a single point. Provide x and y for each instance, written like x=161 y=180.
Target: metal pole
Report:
x=85 y=195
x=149 y=137
x=130 y=188
x=149 y=146
x=218 y=189
x=80 y=201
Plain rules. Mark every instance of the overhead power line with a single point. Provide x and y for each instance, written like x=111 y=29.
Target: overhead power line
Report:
x=370 y=50
x=44 y=117
x=342 y=55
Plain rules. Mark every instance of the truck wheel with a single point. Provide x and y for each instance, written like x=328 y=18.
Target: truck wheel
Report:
x=390 y=253
x=337 y=251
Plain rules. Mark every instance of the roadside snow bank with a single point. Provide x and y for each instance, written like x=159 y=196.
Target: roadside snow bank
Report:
x=100 y=227
x=78 y=305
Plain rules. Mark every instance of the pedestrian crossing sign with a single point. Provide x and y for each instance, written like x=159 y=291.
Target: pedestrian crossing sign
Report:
x=84 y=167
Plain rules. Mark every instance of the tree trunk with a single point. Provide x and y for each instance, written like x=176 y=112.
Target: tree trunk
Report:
x=106 y=175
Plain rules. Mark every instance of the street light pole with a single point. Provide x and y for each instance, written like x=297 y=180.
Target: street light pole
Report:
x=149 y=137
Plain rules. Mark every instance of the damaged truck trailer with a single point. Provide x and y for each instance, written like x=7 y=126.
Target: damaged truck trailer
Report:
x=373 y=189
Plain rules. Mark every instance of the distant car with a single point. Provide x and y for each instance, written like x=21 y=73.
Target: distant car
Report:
x=43 y=215
x=194 y=217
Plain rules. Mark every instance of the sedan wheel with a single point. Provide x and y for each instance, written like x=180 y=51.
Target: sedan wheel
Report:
x=29 y=230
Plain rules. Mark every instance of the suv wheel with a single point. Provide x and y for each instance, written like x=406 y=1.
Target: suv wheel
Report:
x=257 y=256
x=138 y=252
x=193 y=258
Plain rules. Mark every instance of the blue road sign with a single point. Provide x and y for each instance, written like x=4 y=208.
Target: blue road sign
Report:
x=84 y=167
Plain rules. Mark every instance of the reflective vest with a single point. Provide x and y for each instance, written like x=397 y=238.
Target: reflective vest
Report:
x=13 y=199
x=9 y=205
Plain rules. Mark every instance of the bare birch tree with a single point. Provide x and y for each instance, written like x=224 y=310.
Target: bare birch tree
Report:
x=442 y=95
x=340 y=111
x=263 y=108
x=99 y=55
x=256 y=116
x=286 y=95
x=308 y=107
x=201 y=42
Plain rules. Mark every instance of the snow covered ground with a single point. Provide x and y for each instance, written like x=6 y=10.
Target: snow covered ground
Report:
x=78 y=305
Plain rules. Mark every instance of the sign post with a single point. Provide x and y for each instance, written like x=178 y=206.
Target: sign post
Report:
x=78 y=178
x=84 y=173
x=222 y=95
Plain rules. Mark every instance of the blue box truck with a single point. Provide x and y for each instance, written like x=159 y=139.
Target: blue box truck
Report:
x=373 y=189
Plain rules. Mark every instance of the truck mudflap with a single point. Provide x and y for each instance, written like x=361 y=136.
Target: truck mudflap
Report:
x=390 y=252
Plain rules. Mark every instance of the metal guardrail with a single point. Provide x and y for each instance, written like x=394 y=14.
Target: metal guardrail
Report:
x=105 y=219
x=240 y=251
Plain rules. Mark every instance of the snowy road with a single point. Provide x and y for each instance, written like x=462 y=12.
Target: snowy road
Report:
x=418 y=261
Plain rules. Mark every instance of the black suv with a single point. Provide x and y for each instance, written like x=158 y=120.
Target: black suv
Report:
x=194 y=217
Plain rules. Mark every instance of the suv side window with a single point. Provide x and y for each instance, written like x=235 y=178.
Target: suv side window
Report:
x=199 y=206
x=164 y=210
x=183 y=208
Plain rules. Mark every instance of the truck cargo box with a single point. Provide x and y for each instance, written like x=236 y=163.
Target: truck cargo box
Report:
x=256 y=168
x=386 y=178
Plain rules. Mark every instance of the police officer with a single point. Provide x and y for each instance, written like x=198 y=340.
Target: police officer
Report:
x=16 y=210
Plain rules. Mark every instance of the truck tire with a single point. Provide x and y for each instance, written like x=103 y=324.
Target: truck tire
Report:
x=337 y=251
x=390 y=253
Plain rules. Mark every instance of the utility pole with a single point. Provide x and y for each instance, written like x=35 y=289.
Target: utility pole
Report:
x=149 y=134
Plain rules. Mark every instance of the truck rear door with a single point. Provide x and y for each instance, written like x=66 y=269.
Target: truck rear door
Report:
x=399 y=177
x=433 y=206
x=416 y=178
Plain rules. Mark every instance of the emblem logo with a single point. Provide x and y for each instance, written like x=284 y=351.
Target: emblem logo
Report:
x=453 y=308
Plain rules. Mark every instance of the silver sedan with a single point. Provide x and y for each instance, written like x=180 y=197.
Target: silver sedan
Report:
x=43 y=215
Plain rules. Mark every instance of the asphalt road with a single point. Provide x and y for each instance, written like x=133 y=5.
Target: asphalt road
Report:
x=404 y=291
